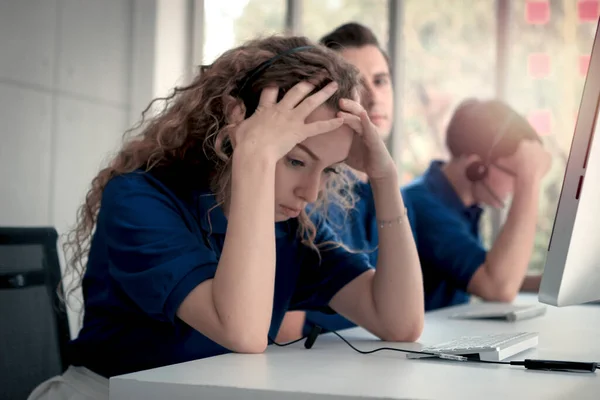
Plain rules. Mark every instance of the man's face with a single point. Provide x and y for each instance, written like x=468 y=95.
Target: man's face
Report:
x=500 y=180
x=378 y=96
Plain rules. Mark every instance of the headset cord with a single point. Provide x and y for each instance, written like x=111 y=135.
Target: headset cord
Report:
x=546 y=365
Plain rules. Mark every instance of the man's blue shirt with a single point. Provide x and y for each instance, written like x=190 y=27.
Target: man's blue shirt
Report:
x=447 y=237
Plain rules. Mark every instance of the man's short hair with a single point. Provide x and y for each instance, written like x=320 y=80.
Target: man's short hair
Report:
x=351 y=34
x=476 y=125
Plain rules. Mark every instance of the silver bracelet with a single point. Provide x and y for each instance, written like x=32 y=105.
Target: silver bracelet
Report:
x=389 y=222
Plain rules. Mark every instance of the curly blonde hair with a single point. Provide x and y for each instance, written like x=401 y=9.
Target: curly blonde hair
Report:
x=190 y=131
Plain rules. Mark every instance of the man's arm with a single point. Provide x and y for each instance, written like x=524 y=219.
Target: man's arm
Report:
x=531 y=283
x=503 y=272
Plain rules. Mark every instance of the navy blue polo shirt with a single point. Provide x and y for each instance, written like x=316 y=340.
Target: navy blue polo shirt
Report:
x=356 y=229
x=156 y=239
x=447 y=237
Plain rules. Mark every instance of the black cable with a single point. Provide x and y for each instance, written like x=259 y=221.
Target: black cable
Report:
x=310 y=338
x=288 y=343
x=380 y=348
x=445 y=356
x=544 y=365
x=552 y=365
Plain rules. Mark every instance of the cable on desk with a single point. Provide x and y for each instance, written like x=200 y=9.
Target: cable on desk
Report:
x=288 y=343
x=384 y=348
x=544 y=365
x=349 y=344
x=310 y=338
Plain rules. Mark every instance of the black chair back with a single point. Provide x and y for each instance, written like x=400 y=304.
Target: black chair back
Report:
x=34 y=329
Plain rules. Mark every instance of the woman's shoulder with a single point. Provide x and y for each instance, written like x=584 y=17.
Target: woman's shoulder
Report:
x=123 y=186
x=153 y=183
x=132 y=185
x=146 y=193
x=140 y=202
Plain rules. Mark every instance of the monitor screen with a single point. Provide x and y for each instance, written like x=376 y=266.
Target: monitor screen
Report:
x=572 y=271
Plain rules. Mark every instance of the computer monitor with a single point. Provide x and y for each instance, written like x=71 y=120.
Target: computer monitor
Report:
x=572 y=272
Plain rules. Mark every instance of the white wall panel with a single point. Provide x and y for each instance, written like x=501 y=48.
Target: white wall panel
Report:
x=25 y=137
x=87 y=135
x=95 y=46
x=27 y=38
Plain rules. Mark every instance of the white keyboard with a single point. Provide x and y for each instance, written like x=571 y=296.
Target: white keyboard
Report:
x=492 y=347
x=500 y=311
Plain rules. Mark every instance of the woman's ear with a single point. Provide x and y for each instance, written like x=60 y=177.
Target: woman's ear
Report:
x=237 y=113
x=226 y=137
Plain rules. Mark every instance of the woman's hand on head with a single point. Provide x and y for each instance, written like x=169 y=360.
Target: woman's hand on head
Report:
x=276 y=127
x=368 y=153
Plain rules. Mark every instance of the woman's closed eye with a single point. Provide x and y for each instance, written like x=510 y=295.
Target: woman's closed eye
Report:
x=294 y=163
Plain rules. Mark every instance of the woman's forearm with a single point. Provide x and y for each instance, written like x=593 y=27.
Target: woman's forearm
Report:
x=244 y=282
x=398 y=282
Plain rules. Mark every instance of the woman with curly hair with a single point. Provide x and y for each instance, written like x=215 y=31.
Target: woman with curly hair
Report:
x=195 y=240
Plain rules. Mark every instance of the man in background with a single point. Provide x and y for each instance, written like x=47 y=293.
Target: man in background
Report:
x=494 y=154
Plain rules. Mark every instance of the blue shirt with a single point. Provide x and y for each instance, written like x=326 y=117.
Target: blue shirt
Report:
x=447 y=237
x=357 y=228
x=156 y=239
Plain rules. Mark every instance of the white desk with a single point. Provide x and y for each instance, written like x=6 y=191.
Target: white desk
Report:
x=332 y=370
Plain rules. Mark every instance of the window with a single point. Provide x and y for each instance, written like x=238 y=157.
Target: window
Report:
x=322 y=16
x=450 y=55
x=232 y=22
x=549 y=52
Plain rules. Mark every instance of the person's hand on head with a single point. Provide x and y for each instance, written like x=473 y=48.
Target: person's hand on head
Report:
x=276 y=127
x=531 y=160
x=368 y=153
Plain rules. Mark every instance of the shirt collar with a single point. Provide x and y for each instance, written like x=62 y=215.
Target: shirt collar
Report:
x=440 y=186
x=213 y=220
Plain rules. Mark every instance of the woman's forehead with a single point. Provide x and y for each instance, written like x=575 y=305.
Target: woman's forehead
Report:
x=330 y=147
